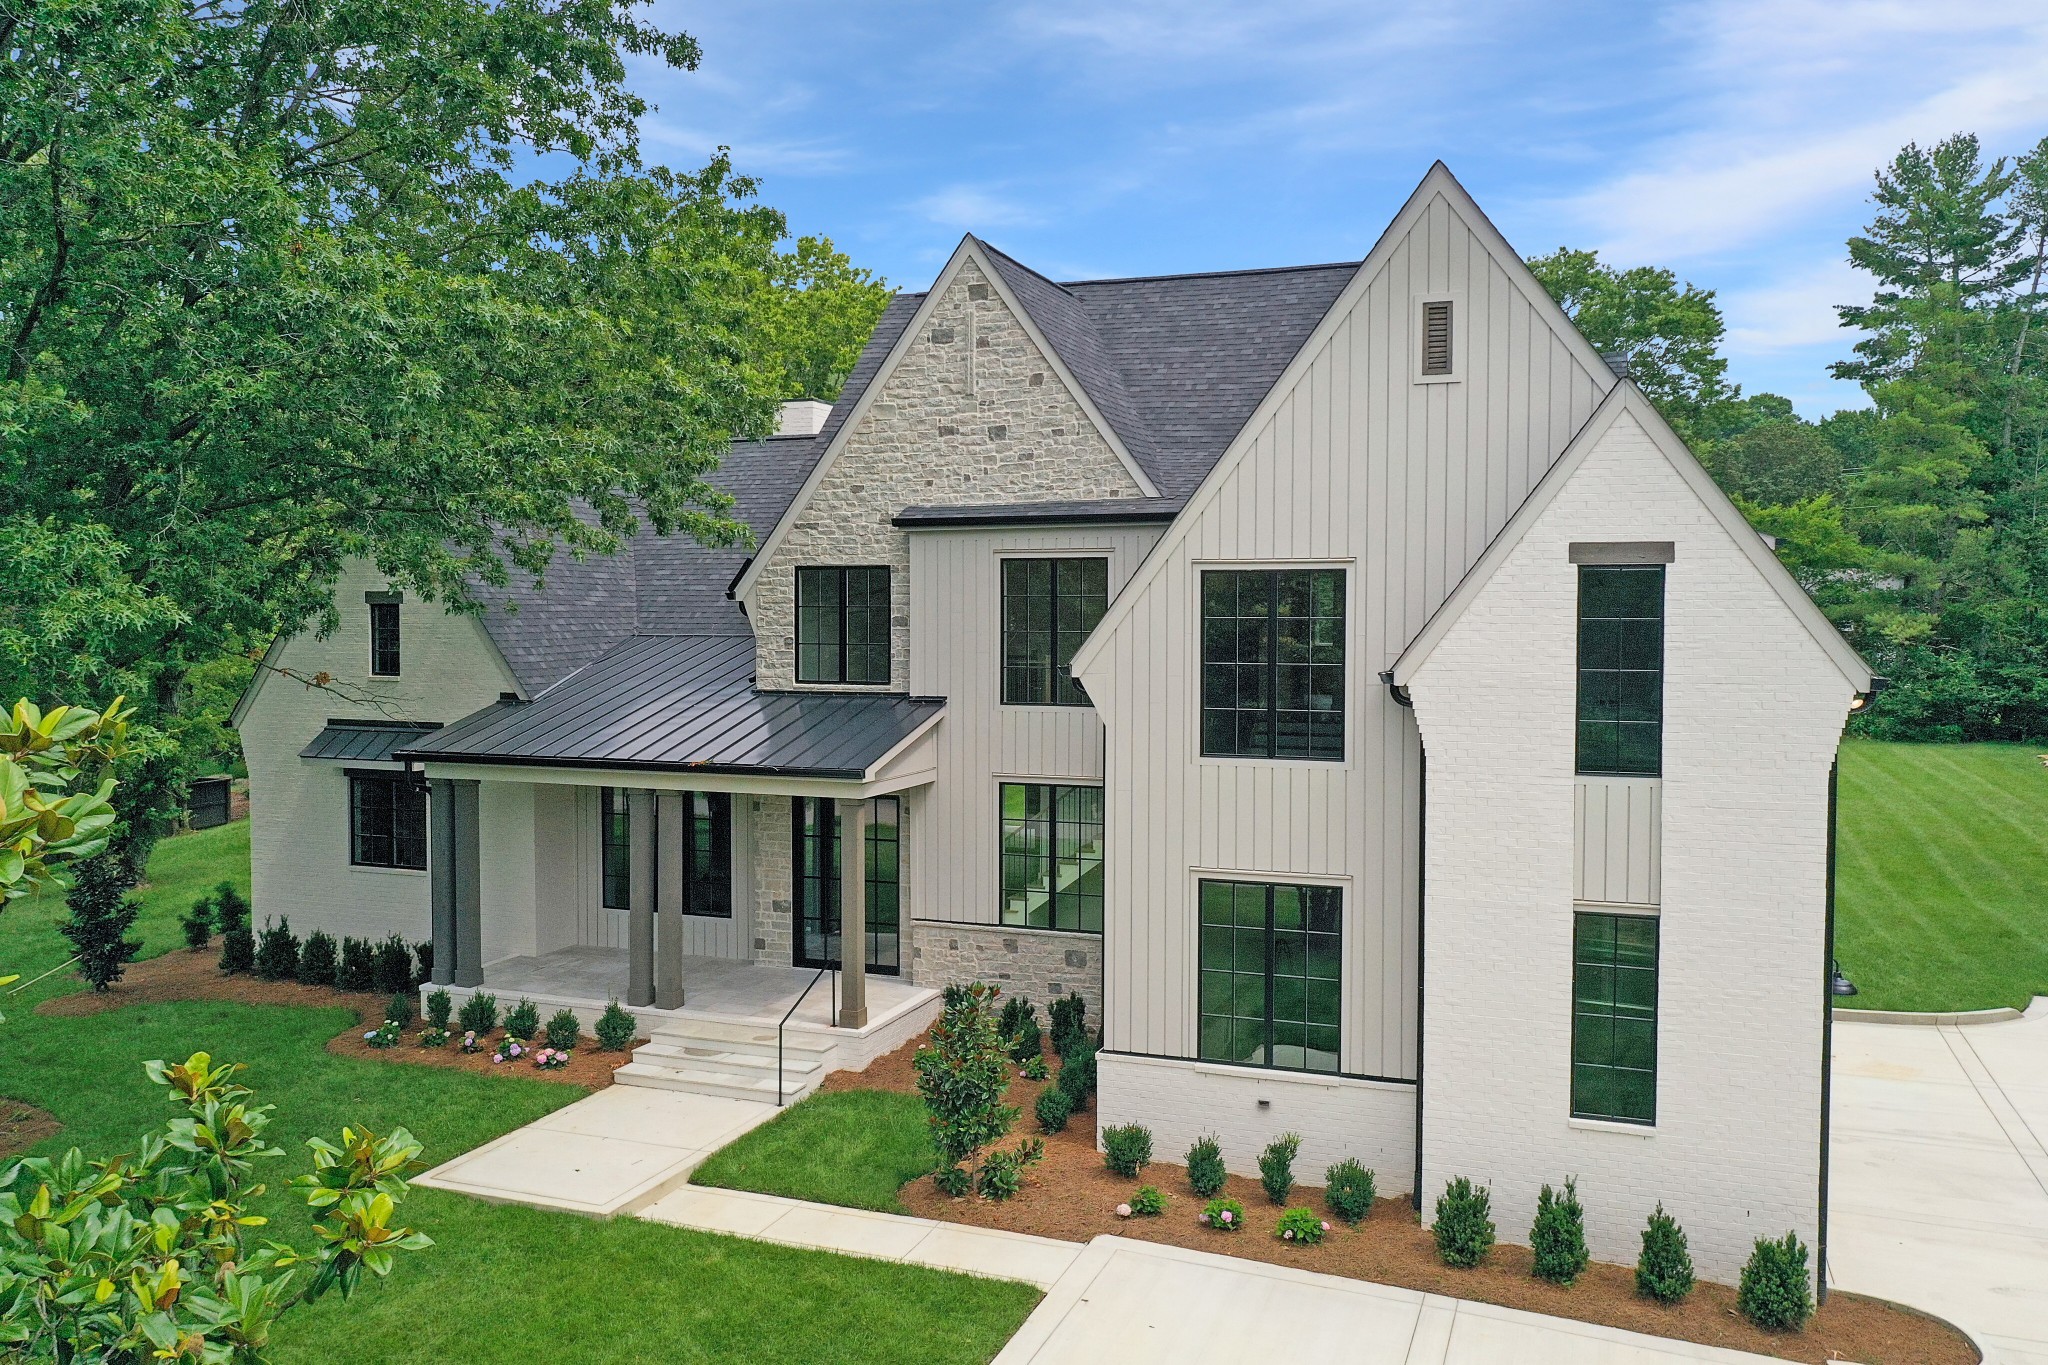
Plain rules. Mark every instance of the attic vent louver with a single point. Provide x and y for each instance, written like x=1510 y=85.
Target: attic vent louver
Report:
x=1436 y=336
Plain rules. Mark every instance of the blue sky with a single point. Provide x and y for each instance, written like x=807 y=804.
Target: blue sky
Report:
x=1730 y=140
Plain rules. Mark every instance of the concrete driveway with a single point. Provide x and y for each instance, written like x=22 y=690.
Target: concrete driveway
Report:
x=1939 y=1194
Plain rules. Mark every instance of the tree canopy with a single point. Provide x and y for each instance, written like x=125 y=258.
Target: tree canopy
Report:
x=289 y=281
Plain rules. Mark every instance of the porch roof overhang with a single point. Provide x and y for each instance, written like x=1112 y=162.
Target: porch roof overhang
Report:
x=364 y=741
x=682 y=711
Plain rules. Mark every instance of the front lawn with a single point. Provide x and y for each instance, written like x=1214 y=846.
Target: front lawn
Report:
x=501 y=1283
x=850 y=1147
x=1942 y=875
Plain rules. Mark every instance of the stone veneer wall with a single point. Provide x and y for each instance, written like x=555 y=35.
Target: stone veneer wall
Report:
x=1040 y=964
x=773 y=893
x=974 y=413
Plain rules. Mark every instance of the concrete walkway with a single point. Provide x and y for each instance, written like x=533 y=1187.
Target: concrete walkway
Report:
x=1939 y=1194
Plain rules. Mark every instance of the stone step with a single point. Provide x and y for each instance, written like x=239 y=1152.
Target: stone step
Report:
x=682 y=1053
x=707 y=1081
x=734 y=1037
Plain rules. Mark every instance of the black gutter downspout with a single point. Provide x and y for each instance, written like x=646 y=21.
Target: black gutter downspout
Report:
x=1827 y=1045
x=1407 y=702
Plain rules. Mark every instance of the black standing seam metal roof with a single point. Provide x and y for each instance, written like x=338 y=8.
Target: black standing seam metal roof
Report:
x=689 y=702
x=364 y=741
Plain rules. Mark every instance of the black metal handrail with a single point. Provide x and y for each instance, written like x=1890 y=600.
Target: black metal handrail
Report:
x=792 y=1010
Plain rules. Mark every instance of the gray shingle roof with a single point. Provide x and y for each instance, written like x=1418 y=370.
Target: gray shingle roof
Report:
x=683 y=701
x=343 y=741
x=654 y=584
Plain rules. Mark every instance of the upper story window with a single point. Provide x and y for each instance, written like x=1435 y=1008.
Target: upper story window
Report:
x=1049 y=606
x=1621 y=669
x=1273 y=663
x=384 y=639
x=1271 y=964
x=387 y=821
x=615 y=838
x=842 y=625
x=1052 y=856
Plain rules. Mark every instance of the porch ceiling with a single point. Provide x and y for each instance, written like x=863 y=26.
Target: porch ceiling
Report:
x=686 y=704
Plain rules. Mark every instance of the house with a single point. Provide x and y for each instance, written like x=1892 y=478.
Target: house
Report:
x=1340 y=676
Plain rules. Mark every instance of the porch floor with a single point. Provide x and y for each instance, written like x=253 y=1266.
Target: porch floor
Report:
x=717 y=987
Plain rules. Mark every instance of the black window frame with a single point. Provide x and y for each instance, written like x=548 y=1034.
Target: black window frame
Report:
x=814 y=881
x=829 y=592
x=1250 y=663
x=614 y=849
x=1043 y=625
x=1610 y=1034
x=1061 y=820
x=1619 y=708
x=386 y=640
x=387 y=821
x=707 y=854
x=1221 y=985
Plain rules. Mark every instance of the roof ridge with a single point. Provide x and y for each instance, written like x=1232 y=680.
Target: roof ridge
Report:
x=1211 y=274
x=1039 y=274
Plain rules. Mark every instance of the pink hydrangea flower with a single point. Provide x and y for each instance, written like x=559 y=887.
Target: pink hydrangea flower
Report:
x=1326 y=1225
x=1226 y=1215
x=1204 y=1218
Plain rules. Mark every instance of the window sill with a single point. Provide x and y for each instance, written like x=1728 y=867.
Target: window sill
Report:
x=1001 y=927
x=388 y=871
x=1638 y=1130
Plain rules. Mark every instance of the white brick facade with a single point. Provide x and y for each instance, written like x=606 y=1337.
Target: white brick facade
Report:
x=1753 y=710
x=973 y=413
x=1247 y=1107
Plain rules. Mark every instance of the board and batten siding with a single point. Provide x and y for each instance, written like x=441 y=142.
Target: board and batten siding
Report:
x=1618 y=824
x=1350 y=462
x=956 y=648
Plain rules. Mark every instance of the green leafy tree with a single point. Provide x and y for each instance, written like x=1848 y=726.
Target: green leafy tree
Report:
x=56 y=806
x=278 y=287
x=151 y=1256
x=102 y=913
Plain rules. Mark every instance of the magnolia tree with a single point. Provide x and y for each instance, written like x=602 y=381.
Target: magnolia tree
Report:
x=56 y=805
x=151 y=1257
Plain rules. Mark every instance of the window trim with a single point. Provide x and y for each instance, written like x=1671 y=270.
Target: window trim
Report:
x=1060 y=672
x=840 y=572
x=1002 y=854
x=1272 y=881
x=394 y=779
x=1573 y=1112
x=397 y=631
x=1345 y=567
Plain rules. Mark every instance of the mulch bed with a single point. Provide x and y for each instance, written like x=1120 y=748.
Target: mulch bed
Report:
x=1072 y=1196
x=22 y=1126
x=185 y=975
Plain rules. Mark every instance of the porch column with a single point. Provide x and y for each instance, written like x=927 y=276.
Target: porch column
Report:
x=668 y=881
x=468 y=877
x=853 y=914
x=640 y=897
x=441 y=875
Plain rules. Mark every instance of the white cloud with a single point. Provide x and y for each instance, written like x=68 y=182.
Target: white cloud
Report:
x=973 y=208
x=1794 y=308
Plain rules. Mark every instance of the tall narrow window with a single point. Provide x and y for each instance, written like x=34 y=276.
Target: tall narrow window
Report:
x=842 y=625
x=384 y=639
x=1614 y=1017
x=1052 y=857
x=1273 y=663
x=1621 y=670
x=615 y=835
x=815 y=858
x=387 y=815
x=1049 y=606
x=707 y=854
x=1271 y=959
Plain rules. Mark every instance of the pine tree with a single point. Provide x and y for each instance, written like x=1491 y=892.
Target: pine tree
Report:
x=101 y=914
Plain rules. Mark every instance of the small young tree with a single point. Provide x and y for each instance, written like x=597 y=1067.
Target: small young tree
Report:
x=1464 y=1223
x=317 y=961
x=1558 y=1236
x=392 y=970
x=962 y=1076
x=1776 y=1292
x=1276 y=1166
x=231 y=917
x=1664 y=1270
x=150 y=1256
x=277 y=952
x=1206 y=1172
x=357 y=970
x=198 y=924
x=101 y=914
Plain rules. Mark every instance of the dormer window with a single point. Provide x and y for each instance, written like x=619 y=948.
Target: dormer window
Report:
x=842 y=625
x=384 y=652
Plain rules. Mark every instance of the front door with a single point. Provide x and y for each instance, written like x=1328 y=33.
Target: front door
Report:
x=815 y=853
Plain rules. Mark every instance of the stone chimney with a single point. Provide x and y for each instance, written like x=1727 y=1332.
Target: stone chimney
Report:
x=804 y=417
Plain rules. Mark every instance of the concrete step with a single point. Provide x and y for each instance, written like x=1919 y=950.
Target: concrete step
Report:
x=740 y=1037
x=708 y=1081
x=685 y=1053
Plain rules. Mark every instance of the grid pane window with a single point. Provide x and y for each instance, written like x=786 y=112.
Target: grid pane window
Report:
x=842 y=625
x=817 y=866
x=1273 y=663
x=387 y=821
x=1614 y=1017
x=1270 y=973
x=1052 y=844
x=1049 y=607
x=615 y=835
x=384 y=655
x=707 y=854
x=1621 y=670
